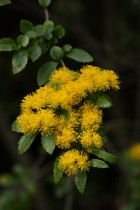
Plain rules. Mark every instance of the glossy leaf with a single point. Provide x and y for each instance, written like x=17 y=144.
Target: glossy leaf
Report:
x=104 y=155
x=49 y=25
x=67 y=48
x=35 y=53
x=80 y=181
x=8 y=44
x=56 y=53
x=98 y=163
x=45 y=71
x=31 y=34
x=57 y=172
x=48 y=143
x=19 y=61
x=26 y=26
x=101 y=100
x=4 y=2
x=25 y=142
x=79 y=55
x=15 y=127
x=23 y=40
x=59 y=31
x=39 y=30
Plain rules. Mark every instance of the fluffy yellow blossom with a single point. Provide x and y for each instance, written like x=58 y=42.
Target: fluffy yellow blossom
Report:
x=65 y=137
x=99 y=80
x=134 y=152
x=48 y=121
x=90 y=138
x=28 y=123
x=73 y=161
x=97 y=140
x=62 y=76
x=91 y=117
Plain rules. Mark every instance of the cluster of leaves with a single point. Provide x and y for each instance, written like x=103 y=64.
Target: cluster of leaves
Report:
x=39 y=40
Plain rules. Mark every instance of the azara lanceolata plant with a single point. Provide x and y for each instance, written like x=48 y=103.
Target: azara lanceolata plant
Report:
x=66 y=111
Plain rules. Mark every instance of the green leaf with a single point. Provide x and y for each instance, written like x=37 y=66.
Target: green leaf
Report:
x=35 y=53
x=4 y=2
x=45 y=71
x=15 y=127
x=25 y=142
x=48 y=143
x=57 y=172
x=80 y=181
x=59 y=31
x=56 y=53
x=79 y=55
x=19 y=61
x=67 y=48
x=49 y=25
x=23 y=40
x=44 y=3
x=8 y=44
x=39 y=30
x=104 y=155
x=31 y=34
x=98 y=163
x=26 y=26
x=101 y=100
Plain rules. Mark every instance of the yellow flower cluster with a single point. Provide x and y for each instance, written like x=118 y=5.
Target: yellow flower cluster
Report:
x=134 y=152
x=73 y=161
x=42 y=111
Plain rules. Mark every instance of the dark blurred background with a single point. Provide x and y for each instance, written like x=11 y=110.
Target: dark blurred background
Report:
x=110 y=31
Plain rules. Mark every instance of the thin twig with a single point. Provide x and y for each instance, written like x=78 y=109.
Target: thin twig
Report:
x=46 y=14
x=62 y=63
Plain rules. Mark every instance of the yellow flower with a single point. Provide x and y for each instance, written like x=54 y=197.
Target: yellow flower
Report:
x=99 y=80
x=91 y=117
x=134 y=152
x=65 y=136
x=90 y=138
x=28 y=123
x=62 y=76
x=73 y=161
x=97 y=140
x=48 y=121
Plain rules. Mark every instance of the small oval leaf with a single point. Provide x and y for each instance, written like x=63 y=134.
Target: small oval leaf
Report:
x=98 y=163
x=57 y=172
x=35 y=53
x=104 y=155
x=15 y=127
x=25 y=142
x=56 y=53
x=48 y=143
x=19 y=61
x=79 y=55
x=44 y=3
x=45 y=71
x=80 y=181
x=26 y=26
x=59 y=31
x=8 y=44
x=23 y=40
